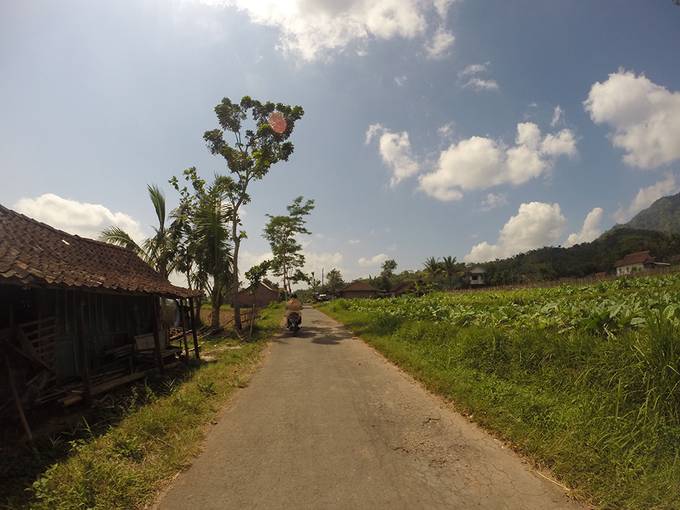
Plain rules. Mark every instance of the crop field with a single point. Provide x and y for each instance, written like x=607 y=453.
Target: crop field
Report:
x=585 y=380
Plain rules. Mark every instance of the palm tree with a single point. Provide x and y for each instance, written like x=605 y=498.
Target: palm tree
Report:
x=433 y=268
x=212 y=250
x=450 y=268
x=157 y=251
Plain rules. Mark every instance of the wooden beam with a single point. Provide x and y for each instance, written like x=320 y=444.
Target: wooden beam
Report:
x=192 y=316
x=155 y=312
x=182 y=313
x=83 y=351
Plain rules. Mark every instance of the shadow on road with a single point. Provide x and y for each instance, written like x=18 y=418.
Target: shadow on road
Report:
x=321 y=336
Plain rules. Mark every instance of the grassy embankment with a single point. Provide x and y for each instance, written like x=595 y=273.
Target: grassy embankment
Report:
x=597 y=399
x=124 y=466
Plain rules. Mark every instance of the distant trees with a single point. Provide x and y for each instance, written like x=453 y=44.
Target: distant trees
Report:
x=255 y=148
x=334 y=281
x=387 y=273
x=281 y=232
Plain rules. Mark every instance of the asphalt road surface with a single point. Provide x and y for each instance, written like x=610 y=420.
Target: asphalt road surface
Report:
x=328 y=423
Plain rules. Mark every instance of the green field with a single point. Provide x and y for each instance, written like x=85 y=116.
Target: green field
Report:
x=583 y=379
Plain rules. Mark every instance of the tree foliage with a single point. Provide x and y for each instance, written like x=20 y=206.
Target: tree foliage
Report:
x=254 y=146
x=282 y=232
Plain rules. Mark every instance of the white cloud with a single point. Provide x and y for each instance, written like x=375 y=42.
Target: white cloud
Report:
x=644 y=116
x=400 y=81
x=470 y=78
x=493 y=200
x=313 y=29
x=395 y=151
x=590 y=230
x=558 y=115
x=372 y=262
x=80 y=218
x=474 y=69
x=446 y=131
x=535 y=225
x=354 y=241
x=316 y=261
x=646 y=197
x=481 y=162
x=439 y=45
x=480 y=84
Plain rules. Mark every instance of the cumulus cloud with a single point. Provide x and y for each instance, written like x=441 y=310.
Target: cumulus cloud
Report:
x=644 y=117
x=446 y=131
x=646 y=197
x=590 y=230
x=395 y=151
x=80 y=218
x=400 y=81
x=312 y=29
x=480 y=162
x=535 y=225
x=354 y=241
x=493 y=200
x=372 y=262
x=472 y=77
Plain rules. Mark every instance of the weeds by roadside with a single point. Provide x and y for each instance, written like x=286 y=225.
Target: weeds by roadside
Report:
x=142 y=438
x=602 y=411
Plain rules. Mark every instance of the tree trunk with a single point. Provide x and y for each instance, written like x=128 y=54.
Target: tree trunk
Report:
x=235 y=282
x=215 y=302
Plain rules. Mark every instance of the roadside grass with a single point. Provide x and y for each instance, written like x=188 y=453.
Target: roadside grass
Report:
x=157 y=434
x=601 y=412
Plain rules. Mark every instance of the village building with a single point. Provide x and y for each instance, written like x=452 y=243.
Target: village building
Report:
x=359 y=289
x=476 y=276
x=261 y=296
x=78 y=316
x=636 y=262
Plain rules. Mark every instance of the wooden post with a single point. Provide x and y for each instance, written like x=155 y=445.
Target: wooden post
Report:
x=17 y=401
x=83 y=351
x=155 y=319
x=182 y=312
x=192 y=316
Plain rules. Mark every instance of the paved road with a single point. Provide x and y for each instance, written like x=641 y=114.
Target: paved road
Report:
x=328 y=423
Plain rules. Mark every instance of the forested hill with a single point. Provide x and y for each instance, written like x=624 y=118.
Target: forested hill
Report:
x=583 y=259
x=662 y=216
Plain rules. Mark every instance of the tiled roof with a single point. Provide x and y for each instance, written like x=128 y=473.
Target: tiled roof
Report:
x=360 y=286
x=35 y=254
x=639 y=257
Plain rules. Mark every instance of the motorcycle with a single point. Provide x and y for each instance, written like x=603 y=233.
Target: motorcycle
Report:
x=293 y=322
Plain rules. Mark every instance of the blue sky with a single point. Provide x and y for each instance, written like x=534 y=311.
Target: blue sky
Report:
x=493 y=126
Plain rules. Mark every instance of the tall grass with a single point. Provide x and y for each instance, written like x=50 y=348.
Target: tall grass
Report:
x=601 y=410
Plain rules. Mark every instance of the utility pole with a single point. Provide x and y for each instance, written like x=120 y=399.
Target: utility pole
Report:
x=322 y=269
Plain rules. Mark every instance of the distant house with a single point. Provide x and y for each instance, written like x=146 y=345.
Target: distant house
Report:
x=359 y=290
x=476 y=276
x=636 y=262
x=262 y=296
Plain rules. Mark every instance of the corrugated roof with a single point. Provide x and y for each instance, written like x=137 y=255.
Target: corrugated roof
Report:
x=639 y=257
x=35 y=254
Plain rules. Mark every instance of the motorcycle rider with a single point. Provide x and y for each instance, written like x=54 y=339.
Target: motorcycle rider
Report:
x=293 y=305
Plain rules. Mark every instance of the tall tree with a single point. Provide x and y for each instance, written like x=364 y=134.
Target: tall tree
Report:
x=202 y=226
x=249 y=157
x=157 y=251
x=282 y=232
x=387 y=273
x=450 y=268
x=432 y=268
x=334 y=281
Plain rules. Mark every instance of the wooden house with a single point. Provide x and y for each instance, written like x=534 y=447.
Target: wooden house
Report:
x=263 y=295
x=359 y=289
x=77 y=316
